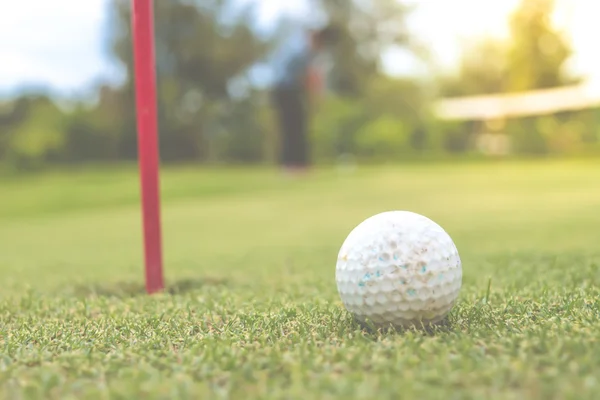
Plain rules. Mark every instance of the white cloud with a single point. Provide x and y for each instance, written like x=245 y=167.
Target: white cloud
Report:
x=58 y=43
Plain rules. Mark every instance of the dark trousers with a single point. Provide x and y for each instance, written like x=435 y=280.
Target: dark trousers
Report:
x=292 y=115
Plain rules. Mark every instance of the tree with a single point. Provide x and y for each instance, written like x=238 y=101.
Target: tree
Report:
x=482 y=70
x=538 y=52
x=38 y=135
x=534 y=57
x=202 y=46
x=365 y=30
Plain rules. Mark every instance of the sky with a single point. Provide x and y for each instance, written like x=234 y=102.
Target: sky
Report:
x=60 y=44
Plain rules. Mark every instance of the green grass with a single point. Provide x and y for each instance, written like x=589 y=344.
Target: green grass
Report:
x=252 y=309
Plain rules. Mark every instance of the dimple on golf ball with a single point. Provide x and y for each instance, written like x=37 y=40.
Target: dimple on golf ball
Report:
x=399 y=268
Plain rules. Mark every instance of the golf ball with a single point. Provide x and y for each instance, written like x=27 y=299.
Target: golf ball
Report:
x=398 y=268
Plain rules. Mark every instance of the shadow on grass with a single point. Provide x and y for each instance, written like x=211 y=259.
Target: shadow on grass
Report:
x=443 y=326
x=127 y=289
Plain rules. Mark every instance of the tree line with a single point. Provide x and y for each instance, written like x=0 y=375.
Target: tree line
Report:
x=212 y=111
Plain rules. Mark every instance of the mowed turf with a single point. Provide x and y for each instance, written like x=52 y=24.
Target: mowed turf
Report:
x=252 y=309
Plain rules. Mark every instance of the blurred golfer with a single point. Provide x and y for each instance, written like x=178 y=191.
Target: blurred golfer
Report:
x=300 y=66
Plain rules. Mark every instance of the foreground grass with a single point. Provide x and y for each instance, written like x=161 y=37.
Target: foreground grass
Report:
x=252 y=310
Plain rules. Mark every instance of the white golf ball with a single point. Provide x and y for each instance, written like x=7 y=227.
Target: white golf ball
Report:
x=399 y=268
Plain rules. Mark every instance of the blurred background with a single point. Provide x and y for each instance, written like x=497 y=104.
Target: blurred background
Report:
x=428 y=78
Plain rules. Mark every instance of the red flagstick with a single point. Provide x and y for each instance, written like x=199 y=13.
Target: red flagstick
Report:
x=145 y=90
